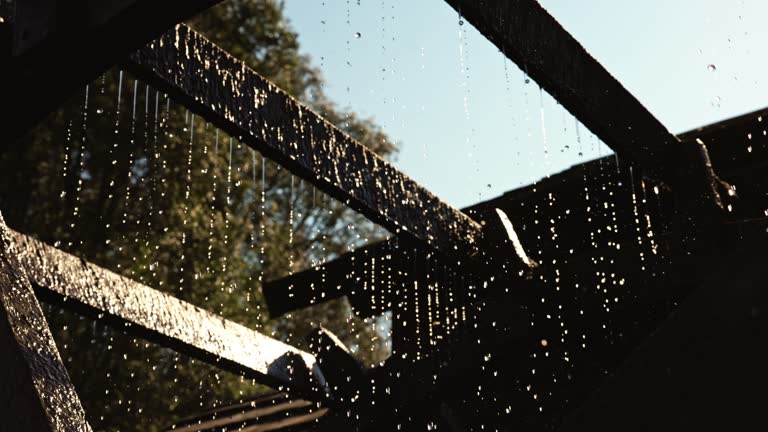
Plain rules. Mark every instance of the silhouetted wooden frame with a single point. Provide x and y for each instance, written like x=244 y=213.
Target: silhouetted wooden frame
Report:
x=236 y=99
x=36 y=374
x=221 y=88
x=529 y=36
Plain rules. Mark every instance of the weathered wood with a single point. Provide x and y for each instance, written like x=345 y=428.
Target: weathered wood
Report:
x=529 y=36
x=59 y=47
x=138 y=309
x=235 y=98
x=36 y=393
x=263 y=413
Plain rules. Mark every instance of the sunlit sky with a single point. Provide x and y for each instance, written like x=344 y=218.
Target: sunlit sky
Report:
x=468 y=125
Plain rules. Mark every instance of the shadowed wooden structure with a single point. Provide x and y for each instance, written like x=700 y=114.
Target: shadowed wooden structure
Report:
x=491 y=300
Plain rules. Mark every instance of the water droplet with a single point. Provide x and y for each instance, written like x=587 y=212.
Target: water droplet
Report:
x=358 y=35
x=461 y=22
x=99 y=111
x=711 y=68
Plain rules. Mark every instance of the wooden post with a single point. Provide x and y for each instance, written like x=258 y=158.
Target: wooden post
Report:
x=36 y=393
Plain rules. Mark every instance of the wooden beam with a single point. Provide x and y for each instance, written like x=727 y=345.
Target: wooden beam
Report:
x=58 y=47
x=386 y=262
x=36 y=393
x=226 y=92
x=339 y=278
x=529 y=36
x=135 y=308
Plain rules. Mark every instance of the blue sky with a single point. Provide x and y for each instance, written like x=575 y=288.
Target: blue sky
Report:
x=468 y=125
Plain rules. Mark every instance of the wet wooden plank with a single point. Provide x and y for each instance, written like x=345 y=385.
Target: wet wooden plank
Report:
x=36 y=393
x=235 y=98
x=138 y=309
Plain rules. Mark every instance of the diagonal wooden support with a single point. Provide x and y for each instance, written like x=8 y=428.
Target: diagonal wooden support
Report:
x=36 y=393
x=529 y=36
x=72 y=282
x=235 y=98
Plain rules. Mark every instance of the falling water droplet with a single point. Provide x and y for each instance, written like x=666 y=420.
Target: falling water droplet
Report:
x=358 y=35
x=135 y=93
x=711 y=68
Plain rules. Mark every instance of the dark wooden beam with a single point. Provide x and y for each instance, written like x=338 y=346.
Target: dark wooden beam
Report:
x=390 y=263
x=348 y=275
x=529 y=36
x=36 y=393
x=226 y=92
x=57 y=47
x=72 y=282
